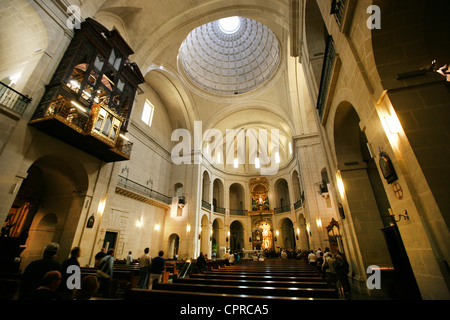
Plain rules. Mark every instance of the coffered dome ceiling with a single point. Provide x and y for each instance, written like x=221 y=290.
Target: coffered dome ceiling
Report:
x=230 y=56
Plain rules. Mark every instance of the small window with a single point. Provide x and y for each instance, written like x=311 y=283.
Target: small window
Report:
x=147 y=115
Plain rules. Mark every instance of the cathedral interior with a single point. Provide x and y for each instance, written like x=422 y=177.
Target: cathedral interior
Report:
x=229 y=126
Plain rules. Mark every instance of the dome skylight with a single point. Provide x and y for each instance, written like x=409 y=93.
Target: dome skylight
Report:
x=230 y=56
x=229 y=25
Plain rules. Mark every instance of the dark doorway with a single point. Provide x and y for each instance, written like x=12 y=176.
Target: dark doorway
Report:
x=110 y=240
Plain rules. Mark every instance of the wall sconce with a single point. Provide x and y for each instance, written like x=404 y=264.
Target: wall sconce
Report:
x=400 y=216
x=139 y=223
x=228 y=235
x=393 y=124
x=298 y=233
x=319 y=223
x=277 y=233
x=101 y=207
x=157 y=227
x=188 y=228
x=340 y=184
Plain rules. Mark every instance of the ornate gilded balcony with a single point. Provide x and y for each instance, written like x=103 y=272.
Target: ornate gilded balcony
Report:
x=88 y=102
x=97 y=132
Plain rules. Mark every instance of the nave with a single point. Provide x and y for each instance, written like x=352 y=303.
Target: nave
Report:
x=274 y=279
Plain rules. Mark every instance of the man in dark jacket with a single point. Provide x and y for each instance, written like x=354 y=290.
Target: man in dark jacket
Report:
x=157 y=269
x=201 y=262
x=36 y=270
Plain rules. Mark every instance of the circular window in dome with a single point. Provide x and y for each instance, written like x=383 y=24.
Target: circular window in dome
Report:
x=230 y=56
x=229 y=25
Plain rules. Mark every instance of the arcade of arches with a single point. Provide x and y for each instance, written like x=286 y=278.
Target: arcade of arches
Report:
x=101 y=144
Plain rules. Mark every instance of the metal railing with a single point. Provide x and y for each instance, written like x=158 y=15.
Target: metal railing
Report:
x=11 y=99
x=328 y=63
x=142 y=190
x=298 y=204
x=238 y=212
x=219 y=210
x=338 y=10
x=206 y=205
x=282 y=209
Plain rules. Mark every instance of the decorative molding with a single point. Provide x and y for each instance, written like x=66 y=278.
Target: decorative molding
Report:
x=138 y=197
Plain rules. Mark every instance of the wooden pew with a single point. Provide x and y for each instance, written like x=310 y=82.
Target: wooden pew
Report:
x=255 y=283
x=164 y=295
x=247 y=290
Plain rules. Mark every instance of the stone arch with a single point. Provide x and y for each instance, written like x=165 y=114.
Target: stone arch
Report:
x=237 y=233
x=421 y=101
x=54 y=190
x=282 y=198
x=218 y=235
x=218 y=194
x=364 y=197
x=206 y=182
x=286 y=238
x=174 y=246
x=237 y=196
x=316 y=37
x=205 y=235
x=297 y=191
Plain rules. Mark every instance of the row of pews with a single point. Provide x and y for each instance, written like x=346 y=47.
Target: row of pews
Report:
x=271 y=279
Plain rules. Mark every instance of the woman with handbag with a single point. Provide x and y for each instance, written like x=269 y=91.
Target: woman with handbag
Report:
x=105 y=273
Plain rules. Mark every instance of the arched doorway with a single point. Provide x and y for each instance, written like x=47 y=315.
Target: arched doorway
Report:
x=282 y=194
x=237 y=197
x=287 y=234
x=205 y=189
x=236 y=236
x=218 y=235
x=52 y=194
x=205 y=235
x=296 y=186
x=218 y=196
x=174 y=245
x=368 y=202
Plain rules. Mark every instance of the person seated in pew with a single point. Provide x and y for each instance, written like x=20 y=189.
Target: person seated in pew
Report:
x=48 y=287
x=89 y=288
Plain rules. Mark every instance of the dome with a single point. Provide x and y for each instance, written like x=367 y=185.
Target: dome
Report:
x=230 y=56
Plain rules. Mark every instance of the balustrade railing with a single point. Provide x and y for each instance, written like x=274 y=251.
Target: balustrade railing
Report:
x=12 y=99
x=219 y=210
x=206 y=205
x=338 y=10
x=238 y=212
x=328 y=63
x=282 y=209
x=143 y=190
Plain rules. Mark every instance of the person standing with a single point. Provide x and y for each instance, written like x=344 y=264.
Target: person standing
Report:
x=157 y=269
x=342 y=269
x=65 y=292
x=144 y=268
x=330 y=271
x=312 y=259
x=129 y=258
x=99 y=256
x=107 y=266
x=201 y=262
x=36 y=270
